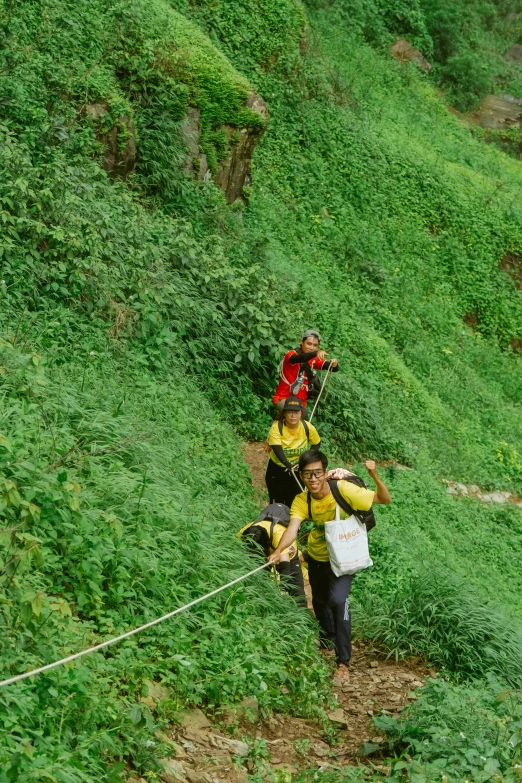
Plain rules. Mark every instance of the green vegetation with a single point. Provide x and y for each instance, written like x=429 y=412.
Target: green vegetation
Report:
x=117 y=507
x=159 y=315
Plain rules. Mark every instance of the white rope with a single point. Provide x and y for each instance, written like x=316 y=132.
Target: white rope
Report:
x=294 y=474
x=321 y=391
x=129 y=633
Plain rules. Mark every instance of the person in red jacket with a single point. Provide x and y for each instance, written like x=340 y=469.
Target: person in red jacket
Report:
x=298 y=366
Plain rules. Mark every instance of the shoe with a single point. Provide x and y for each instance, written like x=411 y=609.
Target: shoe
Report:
x=342 y=672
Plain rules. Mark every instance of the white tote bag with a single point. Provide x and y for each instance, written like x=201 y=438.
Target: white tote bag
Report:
x=347 y=542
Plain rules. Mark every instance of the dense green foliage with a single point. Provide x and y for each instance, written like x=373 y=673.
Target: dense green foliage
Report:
x=464 y=41
x=471 y=732
x=117 y=507
x=160 y=313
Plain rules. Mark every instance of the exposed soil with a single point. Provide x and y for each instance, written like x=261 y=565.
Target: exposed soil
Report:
x=374 y=687
x=256 y=457
x=203 y=752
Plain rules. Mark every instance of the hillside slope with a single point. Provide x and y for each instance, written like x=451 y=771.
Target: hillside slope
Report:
x=142 y=319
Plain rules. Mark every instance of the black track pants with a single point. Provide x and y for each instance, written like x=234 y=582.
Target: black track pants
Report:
x=292 y=579
x=282 y=486
x=332 y=607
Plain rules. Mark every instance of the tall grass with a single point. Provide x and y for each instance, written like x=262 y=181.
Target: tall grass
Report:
x=437 y=615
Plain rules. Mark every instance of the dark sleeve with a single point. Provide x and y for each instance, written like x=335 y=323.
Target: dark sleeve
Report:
x=326 y=366
x=280 y=454
x=299 y=357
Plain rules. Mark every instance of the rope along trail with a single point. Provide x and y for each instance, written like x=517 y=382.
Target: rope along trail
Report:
x=100 y=646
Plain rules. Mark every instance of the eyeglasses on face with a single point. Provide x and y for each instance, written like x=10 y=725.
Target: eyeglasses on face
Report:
x=309 y=474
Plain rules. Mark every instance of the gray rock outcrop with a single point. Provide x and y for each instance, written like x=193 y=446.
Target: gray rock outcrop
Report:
x=233 y=172
x=119 y=140
x=514 y=54
x=499 y=112
x=403 y=51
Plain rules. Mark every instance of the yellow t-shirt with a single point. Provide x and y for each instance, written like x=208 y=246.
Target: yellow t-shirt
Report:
x=293 y=442
x=360 y=499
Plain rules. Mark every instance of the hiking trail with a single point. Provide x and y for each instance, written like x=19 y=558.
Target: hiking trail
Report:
x=218 y=748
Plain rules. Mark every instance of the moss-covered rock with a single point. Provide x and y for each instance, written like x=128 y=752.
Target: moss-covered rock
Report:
x=175 y=56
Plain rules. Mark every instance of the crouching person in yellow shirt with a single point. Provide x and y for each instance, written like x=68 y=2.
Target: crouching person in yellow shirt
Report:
x=266 y=534
x=329 y=592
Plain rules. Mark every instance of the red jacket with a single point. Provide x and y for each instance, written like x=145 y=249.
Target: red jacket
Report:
x=292 y=373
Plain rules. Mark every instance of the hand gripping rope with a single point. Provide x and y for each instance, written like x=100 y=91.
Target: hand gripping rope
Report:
x=310 y=420
x=97 y=647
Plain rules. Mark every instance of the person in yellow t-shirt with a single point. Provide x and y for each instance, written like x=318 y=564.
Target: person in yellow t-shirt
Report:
x=329 y=592
x=288 y=438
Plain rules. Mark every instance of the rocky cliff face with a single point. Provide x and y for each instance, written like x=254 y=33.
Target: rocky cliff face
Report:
x=403 y=51
x=233 y=171
x=118 y=139
x=499 y=112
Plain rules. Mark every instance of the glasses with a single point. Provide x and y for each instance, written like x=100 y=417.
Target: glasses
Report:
x=309 y=474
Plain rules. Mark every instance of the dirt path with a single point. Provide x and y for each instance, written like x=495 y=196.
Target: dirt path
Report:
x=201 y=751
x=256 y=457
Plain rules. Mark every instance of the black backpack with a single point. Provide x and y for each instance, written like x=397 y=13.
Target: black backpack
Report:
x=314 y=384
x=365 y=517
x=277 y=514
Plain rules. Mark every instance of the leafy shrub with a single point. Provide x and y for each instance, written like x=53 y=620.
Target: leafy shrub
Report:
x=451 y=733
x=373 y=215
x=469 y=77
x=470 y=732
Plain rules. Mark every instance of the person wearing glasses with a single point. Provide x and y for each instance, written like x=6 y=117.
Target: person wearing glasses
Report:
x=288 y=438
x=329 y=592
x=296 y=371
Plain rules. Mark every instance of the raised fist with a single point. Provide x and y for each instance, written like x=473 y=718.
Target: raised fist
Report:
x=370 y=466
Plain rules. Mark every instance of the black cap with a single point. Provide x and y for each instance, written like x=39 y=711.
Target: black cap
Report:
x=293 y=404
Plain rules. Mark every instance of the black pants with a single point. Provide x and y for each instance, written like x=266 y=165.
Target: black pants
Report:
x=282 y=486
x=292 y=579
x=332 y=607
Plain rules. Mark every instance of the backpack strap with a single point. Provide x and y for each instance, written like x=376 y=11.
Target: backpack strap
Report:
x=342 y=502
x=365 y=517
x=338 y=499
x=271 y=534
